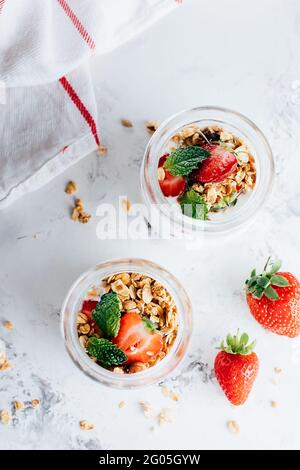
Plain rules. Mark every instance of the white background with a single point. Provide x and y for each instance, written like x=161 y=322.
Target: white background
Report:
x=243 y=55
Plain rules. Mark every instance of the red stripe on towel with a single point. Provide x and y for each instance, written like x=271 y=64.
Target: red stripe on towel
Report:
x=77 y=23
x=81 y=107
x=1 y=5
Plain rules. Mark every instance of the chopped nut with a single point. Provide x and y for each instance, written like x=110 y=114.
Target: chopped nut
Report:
x=5 y=417
x=211 y=195
x=83 y=339
x=126 y=205
x=277 y=370
x=93 y=293
x=233 y=427
x=18 y=405
x=71 y=187
x=35 y=402
x=147 y=294
x=137 y=367
x=129 y=305
x=152 y=126
x=118 y=370
x=146 y=408
x=102 y=149
x=126 y=123
x=84 y=329
x=8 y=325
x=81 y=318
x=120 y=288
x=164 y=416
x=85 y=425
x=226 y=136
x=274 y=404
x=122 y=404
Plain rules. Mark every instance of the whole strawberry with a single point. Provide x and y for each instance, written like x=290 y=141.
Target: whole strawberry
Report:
x=274 y=300
x=236 y=368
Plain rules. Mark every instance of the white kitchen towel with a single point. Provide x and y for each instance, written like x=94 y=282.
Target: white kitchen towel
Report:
x=48 y=115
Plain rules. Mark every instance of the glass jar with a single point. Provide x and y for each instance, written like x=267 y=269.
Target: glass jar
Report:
x=94 y=276
x=223 y=222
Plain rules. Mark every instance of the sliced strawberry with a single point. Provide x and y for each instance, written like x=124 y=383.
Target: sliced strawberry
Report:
x=162 y=160
x=217 y=166
x=172 y=186
x=138 y=342
x=88 y=306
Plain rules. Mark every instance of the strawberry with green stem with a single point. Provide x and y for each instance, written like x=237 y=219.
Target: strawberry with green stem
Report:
x=236 y=367
x=273 y=298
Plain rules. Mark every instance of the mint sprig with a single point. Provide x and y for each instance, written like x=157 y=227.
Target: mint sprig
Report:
x=193 y=205
x=183 y=161
x=106 y=353
x=107 y=314
x=261 y=284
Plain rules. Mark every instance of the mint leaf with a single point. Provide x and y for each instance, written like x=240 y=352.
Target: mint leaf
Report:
x=193 y=205
x=107 y=314
x=107 y=353
x=183 y=161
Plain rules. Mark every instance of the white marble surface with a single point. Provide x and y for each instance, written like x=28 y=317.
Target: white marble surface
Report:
x=244 y=55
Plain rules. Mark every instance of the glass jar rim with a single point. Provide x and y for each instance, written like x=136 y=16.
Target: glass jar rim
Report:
x=153 y=195
x=153 y=374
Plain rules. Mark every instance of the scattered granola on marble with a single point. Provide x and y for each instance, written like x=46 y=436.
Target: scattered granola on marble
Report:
x=4 y=362
x=8 y=325
x=79 y=214
x=86 y=425
x=126 y=123
x=102 y=149
x=71 y=187
x=128 y=323
x=152 y=126
x=233 y=427
x=126 y=205
x=5 y=417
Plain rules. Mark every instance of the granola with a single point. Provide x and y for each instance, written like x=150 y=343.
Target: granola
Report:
x=126 y=123
x=71 y=187
x=18 y=405
x=207 y=169
x=4 y=362
x=233 y=427
x=5 y=417
x=8 y=325
x=152 y=126
x=102 y=149
x=78 y=213
x=86 y=425
x=129 y=324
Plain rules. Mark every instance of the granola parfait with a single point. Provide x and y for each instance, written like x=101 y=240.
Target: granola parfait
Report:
x=128 y=326
x=210 y=165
